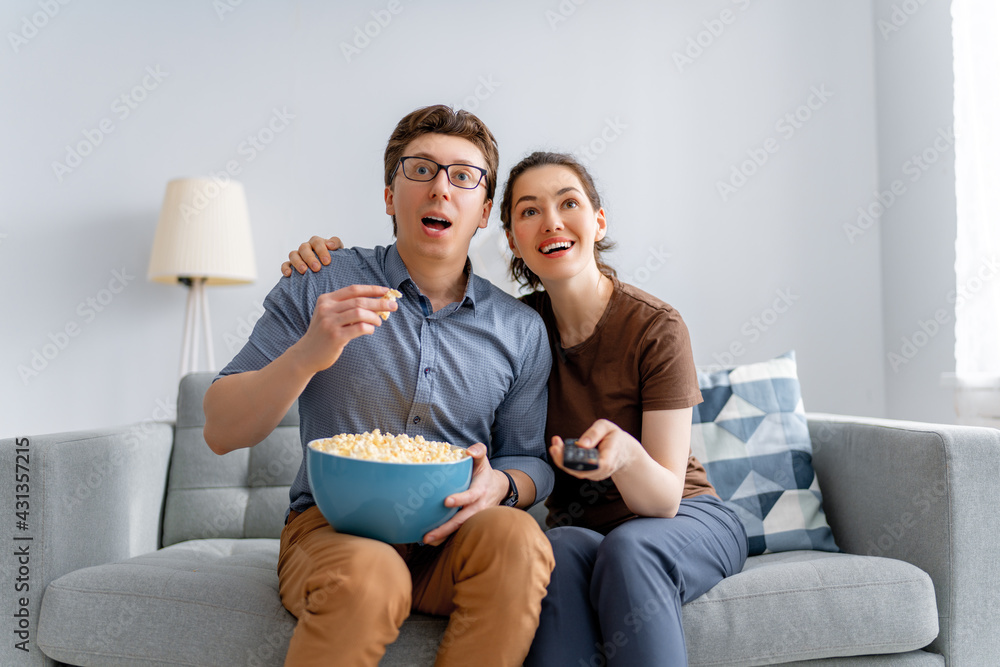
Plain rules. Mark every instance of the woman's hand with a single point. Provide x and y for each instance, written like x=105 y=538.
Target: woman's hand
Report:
x=314 y=252
x=617 y=450
x=648 y=474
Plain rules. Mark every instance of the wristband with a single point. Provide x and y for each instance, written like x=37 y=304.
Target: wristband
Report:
x=510 y=500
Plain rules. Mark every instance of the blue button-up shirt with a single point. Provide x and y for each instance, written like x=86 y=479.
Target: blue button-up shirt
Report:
x=474 y=371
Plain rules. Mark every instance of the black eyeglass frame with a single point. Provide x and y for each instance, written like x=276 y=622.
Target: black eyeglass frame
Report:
x=447 y=170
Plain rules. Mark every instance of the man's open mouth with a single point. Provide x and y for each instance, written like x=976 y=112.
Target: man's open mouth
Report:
x=439 y=224
x=555 y=247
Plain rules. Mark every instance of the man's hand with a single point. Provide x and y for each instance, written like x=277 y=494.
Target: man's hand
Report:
x=312 y=253
x=339 y=318
x=487 y=489
x=617 y=450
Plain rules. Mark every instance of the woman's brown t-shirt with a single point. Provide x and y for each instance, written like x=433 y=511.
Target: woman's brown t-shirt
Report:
x=638 y=358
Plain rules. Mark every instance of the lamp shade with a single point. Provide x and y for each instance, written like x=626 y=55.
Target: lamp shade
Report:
x=203 y=232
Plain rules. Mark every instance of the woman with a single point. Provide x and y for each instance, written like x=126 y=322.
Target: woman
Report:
x=645 y=532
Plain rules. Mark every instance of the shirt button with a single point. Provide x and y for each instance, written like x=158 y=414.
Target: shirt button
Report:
x=416 y=420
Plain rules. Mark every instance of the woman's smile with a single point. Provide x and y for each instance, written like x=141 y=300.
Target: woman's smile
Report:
x=556 y=246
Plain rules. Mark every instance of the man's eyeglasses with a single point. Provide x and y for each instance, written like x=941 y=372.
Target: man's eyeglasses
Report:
x=465 y=176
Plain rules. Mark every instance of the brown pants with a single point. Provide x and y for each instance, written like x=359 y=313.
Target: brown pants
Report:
x=351 y=594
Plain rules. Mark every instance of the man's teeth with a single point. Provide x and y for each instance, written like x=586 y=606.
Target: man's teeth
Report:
x=551 y=248
x=436 y=222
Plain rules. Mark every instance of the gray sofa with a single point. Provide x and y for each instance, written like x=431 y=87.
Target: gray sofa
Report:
x=151 y=550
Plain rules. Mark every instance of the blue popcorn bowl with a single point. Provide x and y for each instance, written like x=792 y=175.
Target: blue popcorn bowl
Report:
x=392 y=502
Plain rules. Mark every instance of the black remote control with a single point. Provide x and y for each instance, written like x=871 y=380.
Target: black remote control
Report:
x=579 y=458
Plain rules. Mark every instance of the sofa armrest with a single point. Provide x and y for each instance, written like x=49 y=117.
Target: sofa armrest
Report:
x=925 y=494
x=86 y=498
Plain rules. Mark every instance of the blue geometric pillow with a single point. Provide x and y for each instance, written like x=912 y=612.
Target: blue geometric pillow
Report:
x=751 y=435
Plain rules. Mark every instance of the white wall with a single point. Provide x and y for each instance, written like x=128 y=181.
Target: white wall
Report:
x=915 y=100
x=606 y=72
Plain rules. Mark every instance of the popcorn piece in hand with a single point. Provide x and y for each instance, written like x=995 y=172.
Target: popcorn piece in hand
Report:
x=391 y=295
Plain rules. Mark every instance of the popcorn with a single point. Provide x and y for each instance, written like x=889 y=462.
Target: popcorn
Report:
x=391 y=295
x=376 y=446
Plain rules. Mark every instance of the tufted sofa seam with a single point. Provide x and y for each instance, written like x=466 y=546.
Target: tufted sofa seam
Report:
x=213 y=488
x=159 y=597
x=795 y=654
x=204 y=563
x=703 y=601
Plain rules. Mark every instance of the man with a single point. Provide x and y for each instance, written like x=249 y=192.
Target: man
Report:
x=458 y=360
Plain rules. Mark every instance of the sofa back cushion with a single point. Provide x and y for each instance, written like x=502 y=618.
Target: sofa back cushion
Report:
x=752 y=436
x=241 y=494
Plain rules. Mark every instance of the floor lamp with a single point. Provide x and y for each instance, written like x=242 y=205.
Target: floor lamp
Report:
x=202 y=238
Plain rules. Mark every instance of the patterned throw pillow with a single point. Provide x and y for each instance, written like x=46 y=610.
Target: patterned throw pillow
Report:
x=751 y=435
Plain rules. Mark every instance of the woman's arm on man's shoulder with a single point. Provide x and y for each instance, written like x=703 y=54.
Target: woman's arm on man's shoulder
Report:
x=310 y=255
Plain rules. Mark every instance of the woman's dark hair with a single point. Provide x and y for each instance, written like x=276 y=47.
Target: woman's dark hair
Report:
x=519 y=271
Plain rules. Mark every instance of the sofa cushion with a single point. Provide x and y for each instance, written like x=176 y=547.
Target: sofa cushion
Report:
x=201 y=602
x=751 y=435
x=216 y=602
x=800 y=605
x=908 y=659
x=205 y=602
x=241 y=494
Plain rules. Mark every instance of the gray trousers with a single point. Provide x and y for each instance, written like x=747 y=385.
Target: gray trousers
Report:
x=616 y=599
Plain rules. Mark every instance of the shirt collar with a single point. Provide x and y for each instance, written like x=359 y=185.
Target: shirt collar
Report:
x=397 y=273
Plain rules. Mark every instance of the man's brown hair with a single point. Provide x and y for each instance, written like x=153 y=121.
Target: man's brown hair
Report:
x=441 y=119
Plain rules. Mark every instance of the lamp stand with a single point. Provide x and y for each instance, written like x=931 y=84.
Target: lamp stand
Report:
x=196 y=321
